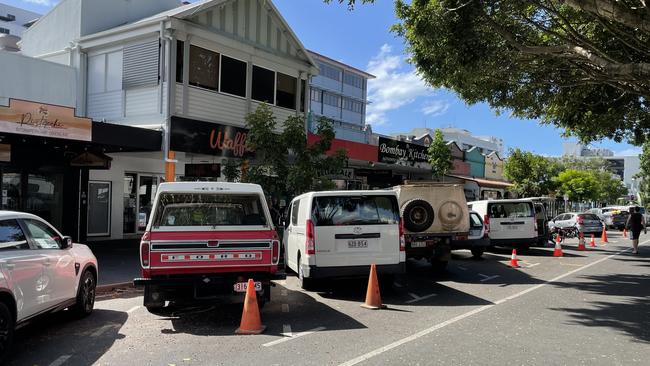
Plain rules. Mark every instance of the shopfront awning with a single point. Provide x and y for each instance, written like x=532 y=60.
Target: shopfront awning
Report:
x=485 y=183
x=121 y=138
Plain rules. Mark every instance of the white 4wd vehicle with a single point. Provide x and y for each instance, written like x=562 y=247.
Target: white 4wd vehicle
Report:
x=41 y=271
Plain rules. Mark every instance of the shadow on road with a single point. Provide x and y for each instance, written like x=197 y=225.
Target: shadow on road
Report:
x=628 y=315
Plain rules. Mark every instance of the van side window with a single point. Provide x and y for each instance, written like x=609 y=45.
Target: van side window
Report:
x=295 y=208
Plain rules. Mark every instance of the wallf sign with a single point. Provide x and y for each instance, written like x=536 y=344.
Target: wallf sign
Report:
x=199 y=137
x=38 y=119
x=393 y=151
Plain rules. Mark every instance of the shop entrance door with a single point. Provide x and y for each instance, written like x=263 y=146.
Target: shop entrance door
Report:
x=139 y=193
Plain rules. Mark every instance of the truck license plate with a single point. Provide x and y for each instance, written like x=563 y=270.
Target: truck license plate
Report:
x=243 y=286
x=357 y=244
x=418 y=244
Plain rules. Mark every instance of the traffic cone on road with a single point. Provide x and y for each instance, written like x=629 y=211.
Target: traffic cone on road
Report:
x=250 y=319
x=604 y=237
x=373 y=297
x=581 y=242
x=625 y=232
x=558 y=249
x=592 y=243
x=514 y=263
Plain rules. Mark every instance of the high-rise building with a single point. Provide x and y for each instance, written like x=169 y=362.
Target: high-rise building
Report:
x=15 y=20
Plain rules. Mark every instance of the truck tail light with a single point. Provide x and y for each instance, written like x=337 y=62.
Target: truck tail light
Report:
x=275 y=245
x=486 y=223
x=310 y=246
x=402 y=241
x=145 y=253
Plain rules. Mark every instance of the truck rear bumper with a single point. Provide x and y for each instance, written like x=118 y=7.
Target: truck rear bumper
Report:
x=354 y=271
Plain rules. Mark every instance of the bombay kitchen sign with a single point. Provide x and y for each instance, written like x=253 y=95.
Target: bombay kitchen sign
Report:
x=199 y=137
x=38 y=119
x=394 y=151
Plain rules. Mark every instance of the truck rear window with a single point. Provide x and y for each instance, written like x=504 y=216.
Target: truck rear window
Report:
x=510 y=210
x=355 y=210
x=209 y=209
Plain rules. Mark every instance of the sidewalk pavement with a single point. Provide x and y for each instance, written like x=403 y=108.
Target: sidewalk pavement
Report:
x=118 y=260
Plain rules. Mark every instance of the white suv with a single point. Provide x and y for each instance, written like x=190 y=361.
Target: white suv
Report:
x=41 y=271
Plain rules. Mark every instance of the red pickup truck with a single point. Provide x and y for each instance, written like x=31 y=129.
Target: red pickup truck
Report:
x=203 y=241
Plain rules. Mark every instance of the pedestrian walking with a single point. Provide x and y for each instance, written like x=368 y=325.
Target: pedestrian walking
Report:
x=635 y=223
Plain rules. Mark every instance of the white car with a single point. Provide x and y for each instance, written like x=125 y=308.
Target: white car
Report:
x=41 y=271
x=341 y=233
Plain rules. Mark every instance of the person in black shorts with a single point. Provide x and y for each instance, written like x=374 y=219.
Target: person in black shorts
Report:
x=636 y=223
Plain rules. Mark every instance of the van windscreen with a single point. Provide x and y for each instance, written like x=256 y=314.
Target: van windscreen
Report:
x=355 y=210
x=510 y=210
x=209 y=209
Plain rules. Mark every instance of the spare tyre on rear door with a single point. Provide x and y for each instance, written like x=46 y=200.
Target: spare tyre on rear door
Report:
x=418 y=215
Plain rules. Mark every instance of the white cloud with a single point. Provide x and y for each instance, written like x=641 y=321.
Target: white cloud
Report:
x=40 y=2
x=435 y=108
x=396 y=85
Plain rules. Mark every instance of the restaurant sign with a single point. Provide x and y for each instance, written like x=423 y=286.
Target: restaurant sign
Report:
x=394 y=151
x=38 y=119
x=199 y=137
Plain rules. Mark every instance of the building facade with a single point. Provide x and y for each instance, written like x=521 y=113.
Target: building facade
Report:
x=463 y=138
x=15 y=21
x=340 y=93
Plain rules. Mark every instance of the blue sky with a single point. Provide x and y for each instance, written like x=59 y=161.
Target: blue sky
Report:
x=399 y=99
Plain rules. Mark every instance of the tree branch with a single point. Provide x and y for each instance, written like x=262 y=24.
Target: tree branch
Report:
x=610 y=9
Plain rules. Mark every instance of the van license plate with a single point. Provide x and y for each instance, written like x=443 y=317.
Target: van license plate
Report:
x=418 y=244
x=357 y=244
x=512 y=227
x=243 y=286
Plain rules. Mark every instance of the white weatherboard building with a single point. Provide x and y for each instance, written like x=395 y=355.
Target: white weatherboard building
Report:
x=463 y=138
x=193 y=71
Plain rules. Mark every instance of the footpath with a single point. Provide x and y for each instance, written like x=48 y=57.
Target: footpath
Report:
x=119 y=263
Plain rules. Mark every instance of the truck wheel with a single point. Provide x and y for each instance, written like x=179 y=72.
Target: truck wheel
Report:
x=85 y=295
x=477 y=252
x=6 y=331
x=418 y=215
x=305 y=283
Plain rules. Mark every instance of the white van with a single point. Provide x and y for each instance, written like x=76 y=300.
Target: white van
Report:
x=341 y=233
x=510 y=222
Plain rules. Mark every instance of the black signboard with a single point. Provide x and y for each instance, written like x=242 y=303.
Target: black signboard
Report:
x=394 y=151
x=203 y=170
x=199 y=137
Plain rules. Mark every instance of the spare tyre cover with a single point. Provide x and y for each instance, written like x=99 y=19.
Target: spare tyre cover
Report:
x=450 y=214
x=418 y=215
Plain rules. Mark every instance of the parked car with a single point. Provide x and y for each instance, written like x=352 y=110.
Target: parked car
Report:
x=41 y=271
x=433 y=214
x=477 y=240
x=614 y=217
x=203 y=241
x=585 y=223
x=510 y=222
x=341 y=233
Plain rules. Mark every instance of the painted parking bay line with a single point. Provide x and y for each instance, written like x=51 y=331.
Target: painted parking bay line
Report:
x=293 y=336
x=487 y=278
x=60 y=361
x=470 y=313
x=416 y=298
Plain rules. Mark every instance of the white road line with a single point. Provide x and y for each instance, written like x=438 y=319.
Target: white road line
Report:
x=60 y=361
x=434 y=328
x=419 y=298
x=133 y=309
x=285 y=308
x=487 y=278
x=398 y=285
x=414 y=295
x=532 y=265
x=286 y=330
x=462 y=268
x=103 y=330
x=294 y=336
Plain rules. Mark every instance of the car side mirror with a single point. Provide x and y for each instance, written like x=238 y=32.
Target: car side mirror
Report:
x=67 y=242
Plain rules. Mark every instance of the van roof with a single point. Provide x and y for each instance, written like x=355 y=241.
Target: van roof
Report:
x=513 y=200
x=348 y=193
x=192 y=187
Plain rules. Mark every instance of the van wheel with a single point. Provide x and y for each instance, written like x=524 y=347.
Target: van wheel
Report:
x=6 y=330
x=305 y=283
x=477 y=252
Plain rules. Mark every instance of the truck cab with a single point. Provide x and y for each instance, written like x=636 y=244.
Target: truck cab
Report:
x=203 y=241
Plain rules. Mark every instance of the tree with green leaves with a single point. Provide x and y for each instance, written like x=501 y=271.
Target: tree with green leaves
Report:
x=644 y=174
x=610 y=187
x=286 y=165
x=531 y=174
x=580 y=65
x=230 y=170
x=579 y=185
x=439 y=156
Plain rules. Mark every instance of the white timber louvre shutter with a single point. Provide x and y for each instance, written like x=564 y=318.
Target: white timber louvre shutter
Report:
x=141 y=65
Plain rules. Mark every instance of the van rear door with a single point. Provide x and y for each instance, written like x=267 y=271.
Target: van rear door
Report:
x=511 y=220
x=354 y=230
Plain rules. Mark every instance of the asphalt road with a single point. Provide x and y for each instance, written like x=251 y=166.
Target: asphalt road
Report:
x=585 y=308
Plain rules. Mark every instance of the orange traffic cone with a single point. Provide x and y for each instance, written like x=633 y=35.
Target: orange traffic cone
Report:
x=558 y=249
x=625 y=232
x=604 y=237
x=581 y=242
x=250 y=318
x=514 y=263
x=592 y=243
x=373 y=297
